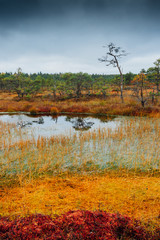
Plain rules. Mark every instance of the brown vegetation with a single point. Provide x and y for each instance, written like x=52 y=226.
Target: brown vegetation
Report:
x=110 y=105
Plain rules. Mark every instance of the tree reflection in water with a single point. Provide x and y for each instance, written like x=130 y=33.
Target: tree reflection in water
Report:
x=80 y=123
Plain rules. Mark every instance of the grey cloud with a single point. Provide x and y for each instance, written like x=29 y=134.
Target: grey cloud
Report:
x=17 y=8
x=76 y=29
x=14 y=10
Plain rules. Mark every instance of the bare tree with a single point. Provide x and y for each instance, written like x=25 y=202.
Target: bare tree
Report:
x=112 y=58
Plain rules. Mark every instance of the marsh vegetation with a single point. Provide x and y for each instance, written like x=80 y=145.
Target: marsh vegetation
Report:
x=114 y=167
x=128 y=143
x=51 y=162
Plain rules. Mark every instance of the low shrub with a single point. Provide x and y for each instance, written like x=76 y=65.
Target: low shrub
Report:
x=54 y=111
x=33 y=110
x=44 y=108
x=28 y=97
x=74 y=225
x=11 y=110
x=75 y=109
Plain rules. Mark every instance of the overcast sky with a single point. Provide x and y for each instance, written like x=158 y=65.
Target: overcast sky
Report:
x=68 y=35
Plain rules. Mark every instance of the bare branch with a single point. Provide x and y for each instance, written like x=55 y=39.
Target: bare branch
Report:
x=111 y=58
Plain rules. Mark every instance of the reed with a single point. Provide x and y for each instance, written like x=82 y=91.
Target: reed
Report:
x=132 y=146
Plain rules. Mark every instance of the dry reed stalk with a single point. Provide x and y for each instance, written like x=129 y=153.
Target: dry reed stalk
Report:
x=132 y=145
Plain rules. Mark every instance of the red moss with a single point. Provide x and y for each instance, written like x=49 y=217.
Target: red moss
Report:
x=73 y=225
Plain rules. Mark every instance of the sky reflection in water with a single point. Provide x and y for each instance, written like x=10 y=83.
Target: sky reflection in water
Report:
x=47 y=126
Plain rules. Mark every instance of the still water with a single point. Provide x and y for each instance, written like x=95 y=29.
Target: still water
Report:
x=47 y=126
x=126 y=142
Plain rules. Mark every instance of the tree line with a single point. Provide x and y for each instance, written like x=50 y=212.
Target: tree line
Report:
x=61 y=84
x=144 y=85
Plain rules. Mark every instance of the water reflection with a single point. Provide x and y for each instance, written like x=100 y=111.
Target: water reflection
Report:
x=22 y=123
x=79 y=123
x=55 y=119
x=47 y=126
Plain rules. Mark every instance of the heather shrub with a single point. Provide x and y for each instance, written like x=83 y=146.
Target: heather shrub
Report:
x=74 y=225
x=54 y=111
x=28 y=97
x=11 y=110
x=44 y=108
x=33 y=110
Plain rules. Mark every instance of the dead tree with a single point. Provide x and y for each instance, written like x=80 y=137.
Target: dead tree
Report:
x=112 y=58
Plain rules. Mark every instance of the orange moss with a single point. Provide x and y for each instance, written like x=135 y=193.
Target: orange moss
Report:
x=138 y=197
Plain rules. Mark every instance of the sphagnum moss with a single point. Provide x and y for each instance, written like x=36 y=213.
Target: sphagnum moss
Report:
x=137 y=197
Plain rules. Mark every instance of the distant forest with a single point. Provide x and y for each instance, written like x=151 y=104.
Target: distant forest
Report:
x=145 y=85
x=63 y=85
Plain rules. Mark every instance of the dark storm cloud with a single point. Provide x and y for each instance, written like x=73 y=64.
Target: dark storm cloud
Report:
x=73 y=31
x=16 y=10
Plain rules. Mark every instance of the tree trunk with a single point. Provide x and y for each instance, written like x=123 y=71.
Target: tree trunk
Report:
x=78 y=91
x=157 y=84
x=122 y=89
x=142 y=98
x=153 y=96
x=121 y=84
x=142 y=102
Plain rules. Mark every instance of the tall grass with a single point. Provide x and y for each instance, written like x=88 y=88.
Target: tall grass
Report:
x=132 y=146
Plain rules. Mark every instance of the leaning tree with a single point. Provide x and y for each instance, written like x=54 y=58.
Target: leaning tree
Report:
x=112 y=58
